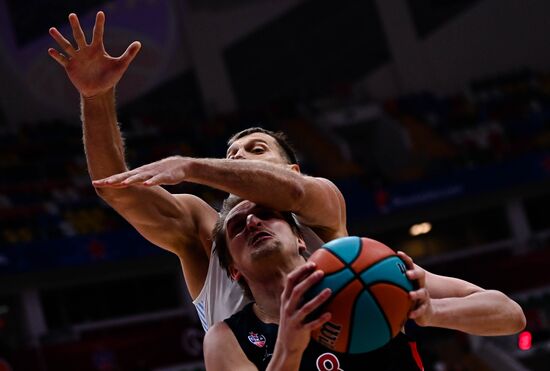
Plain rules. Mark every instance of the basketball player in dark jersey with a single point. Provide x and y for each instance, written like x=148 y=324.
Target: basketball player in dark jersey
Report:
x=262 y=249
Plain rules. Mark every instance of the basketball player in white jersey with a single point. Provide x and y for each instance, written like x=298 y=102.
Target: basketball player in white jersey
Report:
x=266 y=173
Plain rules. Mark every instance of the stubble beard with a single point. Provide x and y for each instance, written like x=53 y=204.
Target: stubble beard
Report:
x=266 y=249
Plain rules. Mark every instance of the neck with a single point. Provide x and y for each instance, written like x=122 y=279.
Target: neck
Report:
x=267 y=291
x=267 y=295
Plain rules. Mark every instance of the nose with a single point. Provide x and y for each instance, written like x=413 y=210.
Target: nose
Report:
x=253 y=222
x=239 y=155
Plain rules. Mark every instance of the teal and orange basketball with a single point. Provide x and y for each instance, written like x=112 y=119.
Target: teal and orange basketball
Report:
x=369 y=302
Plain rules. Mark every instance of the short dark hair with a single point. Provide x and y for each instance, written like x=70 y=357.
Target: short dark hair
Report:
x=220 y=243
x=284 y=145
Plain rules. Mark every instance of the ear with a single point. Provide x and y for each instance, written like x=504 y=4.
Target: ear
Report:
x=235 y=274
x=302 y=247
x=295 y=167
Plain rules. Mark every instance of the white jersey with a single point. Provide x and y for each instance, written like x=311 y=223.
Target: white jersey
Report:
x=221 y=297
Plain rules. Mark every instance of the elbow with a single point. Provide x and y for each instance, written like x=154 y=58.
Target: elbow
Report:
x=108 y=195
x=102 y=193
x=516 y=318
x=520 y=322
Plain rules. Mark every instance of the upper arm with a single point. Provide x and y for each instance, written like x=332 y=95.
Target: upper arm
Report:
x=168 y=221
x=446 y=287
x=181 y=224
x=323 y=208
x=222 y=350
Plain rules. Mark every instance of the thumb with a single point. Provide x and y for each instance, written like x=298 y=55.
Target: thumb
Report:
x=130 y=53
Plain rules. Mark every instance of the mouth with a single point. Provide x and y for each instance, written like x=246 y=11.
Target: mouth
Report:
x=259 y=237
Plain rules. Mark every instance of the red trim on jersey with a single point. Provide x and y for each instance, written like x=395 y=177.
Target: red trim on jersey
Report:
x=416 y=356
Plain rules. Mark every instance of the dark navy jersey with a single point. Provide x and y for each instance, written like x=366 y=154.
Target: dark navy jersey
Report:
x=257 y=339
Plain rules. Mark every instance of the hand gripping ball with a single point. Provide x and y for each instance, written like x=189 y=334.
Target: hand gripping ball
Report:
x=369 y=301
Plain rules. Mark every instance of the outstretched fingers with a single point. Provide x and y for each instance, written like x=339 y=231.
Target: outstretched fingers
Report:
x=99 y=27
x=130 y=54
x=62 y=42
x=58 y=57
x=114 y=180
x=136 y=178
x=78 y=34
x=156 y=180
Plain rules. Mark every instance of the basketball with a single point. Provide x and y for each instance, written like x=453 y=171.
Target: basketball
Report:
x=369 y=302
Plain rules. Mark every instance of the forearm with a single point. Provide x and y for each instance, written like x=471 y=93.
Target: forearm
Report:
x=103 y=143
x=484 y=313
x=264 y=183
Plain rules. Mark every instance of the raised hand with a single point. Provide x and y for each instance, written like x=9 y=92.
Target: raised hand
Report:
x=294 y=333
x=423 y=309
x=89 y=67
x=170 y=170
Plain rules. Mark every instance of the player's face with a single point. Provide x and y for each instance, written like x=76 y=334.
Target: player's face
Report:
x=254 y=232
x=256 y=146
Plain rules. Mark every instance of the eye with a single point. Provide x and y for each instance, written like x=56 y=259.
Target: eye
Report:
x=258 y=150
x=235 y=227
x=265 y=214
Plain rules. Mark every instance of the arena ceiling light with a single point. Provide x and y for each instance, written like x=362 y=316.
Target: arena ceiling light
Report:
x=421 y=228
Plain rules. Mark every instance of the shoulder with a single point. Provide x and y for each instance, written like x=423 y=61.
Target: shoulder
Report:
x=335 y=192
x=327 y=184
x=218 y=339
x=326 y=213
x=324 y=209
x=219 y=336
x=217 y=333
x=222 y=351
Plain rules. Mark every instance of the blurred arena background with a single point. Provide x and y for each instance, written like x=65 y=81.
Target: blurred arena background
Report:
x=432 y=116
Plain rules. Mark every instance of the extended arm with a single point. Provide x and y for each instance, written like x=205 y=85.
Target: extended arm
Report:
x=180 y=224
x=317 y=201
x=460 y=305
